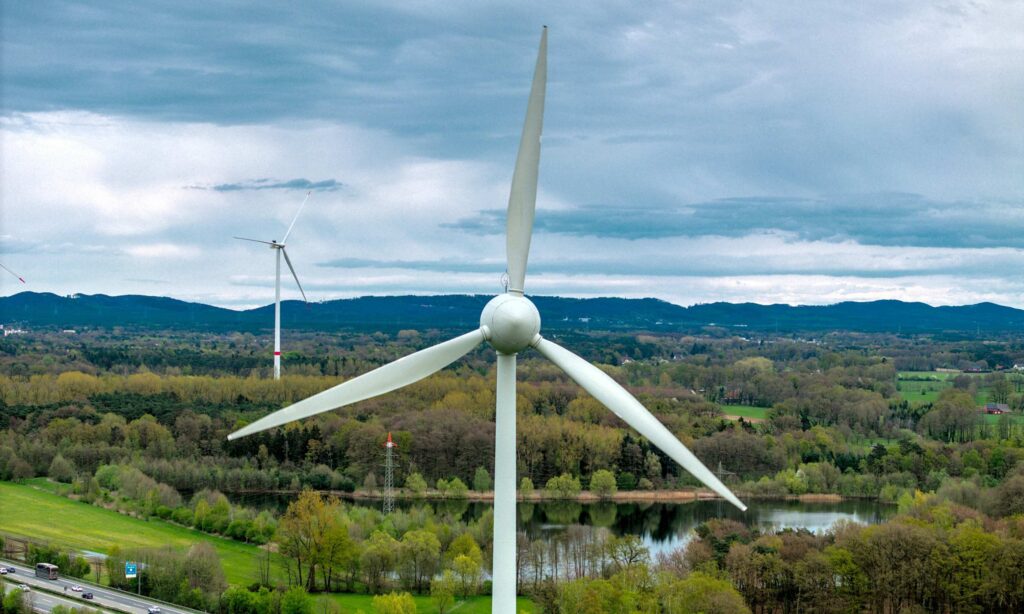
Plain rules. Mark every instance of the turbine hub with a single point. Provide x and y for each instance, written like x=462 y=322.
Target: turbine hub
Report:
x=511 y=323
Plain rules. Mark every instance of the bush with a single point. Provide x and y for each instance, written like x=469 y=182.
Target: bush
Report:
x=602 y=483
x=526 y=487
x=481 y=480
x=394 y=604
x=457 y=488
x=296 y=601
x=62 y=470
x=14 y=602
x=564 y=486
x=416 y=484
x=627 y=481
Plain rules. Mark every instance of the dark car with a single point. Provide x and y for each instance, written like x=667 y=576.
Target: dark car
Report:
x=86 y=595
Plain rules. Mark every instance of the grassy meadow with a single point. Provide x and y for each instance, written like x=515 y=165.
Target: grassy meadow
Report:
x=32 y=510
x=747 y=412
x=44 y=516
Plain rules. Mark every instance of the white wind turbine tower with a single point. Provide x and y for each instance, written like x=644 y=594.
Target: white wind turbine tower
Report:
x=510 y=323
x=279 y=250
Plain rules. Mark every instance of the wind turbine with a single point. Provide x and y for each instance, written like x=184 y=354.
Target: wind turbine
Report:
x=279 y=251
x=13 y=273
x=510 y=323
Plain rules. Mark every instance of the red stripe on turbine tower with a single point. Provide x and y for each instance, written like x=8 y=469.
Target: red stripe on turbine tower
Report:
x=277 y=353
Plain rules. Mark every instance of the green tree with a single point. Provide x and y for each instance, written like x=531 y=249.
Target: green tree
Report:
x=481 y=480
x=296 y=601
x=62 y=470
x=602 y=483
x=416 y=483
x=526 y=487
x=237 y=600
x=564 y=486
x=14 y=602
x=457 y=489
x=378 y=559
x=394 y=603
x=419 y=555
x=442 y=590
x=700 y=592
x=468 y=571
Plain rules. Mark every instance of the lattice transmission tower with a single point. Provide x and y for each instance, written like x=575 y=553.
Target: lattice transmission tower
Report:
x=389 y=475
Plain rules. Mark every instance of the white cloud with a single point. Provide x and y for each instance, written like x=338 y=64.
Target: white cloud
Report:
x=661 y=104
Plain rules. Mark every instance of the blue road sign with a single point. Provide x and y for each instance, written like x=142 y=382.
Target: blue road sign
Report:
x=130 y=570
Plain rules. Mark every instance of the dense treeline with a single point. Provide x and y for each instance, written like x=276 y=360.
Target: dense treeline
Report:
x=938 y=555
x=127 y=431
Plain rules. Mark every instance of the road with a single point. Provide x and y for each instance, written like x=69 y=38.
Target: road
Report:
x=103 y=596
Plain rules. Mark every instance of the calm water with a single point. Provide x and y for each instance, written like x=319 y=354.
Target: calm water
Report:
x=662 y=526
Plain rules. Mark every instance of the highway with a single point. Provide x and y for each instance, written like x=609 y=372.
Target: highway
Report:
x=103 y=597
x=45 y=602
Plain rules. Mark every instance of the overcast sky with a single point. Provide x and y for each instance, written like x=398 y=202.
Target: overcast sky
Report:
x=693 y=151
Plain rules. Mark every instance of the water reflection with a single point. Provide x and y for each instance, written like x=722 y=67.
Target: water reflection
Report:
x=662 y=526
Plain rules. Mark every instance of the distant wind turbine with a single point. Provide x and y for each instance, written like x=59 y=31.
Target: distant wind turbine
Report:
x=13 y=273
x=279 y=251
x=510 y=323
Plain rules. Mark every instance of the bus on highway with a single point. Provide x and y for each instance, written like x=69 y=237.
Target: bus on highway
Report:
x=46 y=571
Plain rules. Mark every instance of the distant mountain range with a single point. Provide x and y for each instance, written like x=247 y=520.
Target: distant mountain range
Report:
x=389 y=313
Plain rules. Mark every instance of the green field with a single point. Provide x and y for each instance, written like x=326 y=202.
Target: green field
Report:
x=993 y=419
x=26 y=510
x=922 y=392
x=936 y=375
x=30 y=512
x=746 y=411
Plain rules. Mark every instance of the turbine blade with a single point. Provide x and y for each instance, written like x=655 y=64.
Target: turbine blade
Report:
x=625 y=406
x=522 y=200
x=285 y=239
x=402 y=372
x=13 y=273
x=292 y=269
x=255 y=240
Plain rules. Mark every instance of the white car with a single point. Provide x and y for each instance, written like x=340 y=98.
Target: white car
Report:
x=154 y=609
x=3 y=571
x=25 y=588
x=76 y=588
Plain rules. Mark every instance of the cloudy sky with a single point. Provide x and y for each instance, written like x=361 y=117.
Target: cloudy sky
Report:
x=693 y=151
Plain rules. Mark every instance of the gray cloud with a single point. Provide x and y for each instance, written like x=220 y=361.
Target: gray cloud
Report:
x=270 y=184
x=666 y=124
x=887 y=264
x=890 y=219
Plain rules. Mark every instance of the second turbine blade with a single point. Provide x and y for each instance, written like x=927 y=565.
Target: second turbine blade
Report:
x=522 y=199
x=288 y=260
x=402 y=372
x=625 y=406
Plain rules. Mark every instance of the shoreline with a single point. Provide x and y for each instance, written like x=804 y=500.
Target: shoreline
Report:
x=626 y=496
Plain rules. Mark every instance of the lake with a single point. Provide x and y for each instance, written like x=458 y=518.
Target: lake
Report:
x=662 y=526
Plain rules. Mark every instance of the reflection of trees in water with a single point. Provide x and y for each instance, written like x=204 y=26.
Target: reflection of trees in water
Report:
x=602 y=514
x=654 y=522
x=455 y=509
x=562 y=512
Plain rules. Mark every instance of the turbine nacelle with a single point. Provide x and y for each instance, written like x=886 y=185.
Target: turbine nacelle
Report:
x=510 y=322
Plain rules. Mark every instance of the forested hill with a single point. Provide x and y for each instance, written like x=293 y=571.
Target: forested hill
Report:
x=31 y=309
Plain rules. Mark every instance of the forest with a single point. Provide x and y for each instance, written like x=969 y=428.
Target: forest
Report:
x=138 y=423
